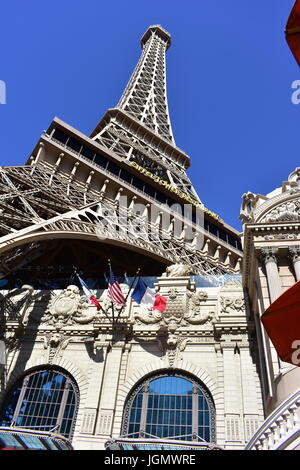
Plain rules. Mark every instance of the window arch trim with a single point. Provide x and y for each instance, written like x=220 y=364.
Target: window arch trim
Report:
x=197 y=385
x=70 y=387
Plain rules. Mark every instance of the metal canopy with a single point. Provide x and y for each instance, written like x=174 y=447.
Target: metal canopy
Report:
x=15 y=438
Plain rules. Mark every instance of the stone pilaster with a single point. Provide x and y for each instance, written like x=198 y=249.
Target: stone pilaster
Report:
x=109 y=389
x=94 y=389
x=232 y=394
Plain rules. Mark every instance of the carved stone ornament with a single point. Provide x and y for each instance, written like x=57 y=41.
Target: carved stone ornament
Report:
x=248 y=205
x=232 y=298
x=232 y=304
x=170 y=346
x=282 y=236
x=294 y=253
x=55 y=343
x=289 y=210
x=294 y=190
x=68 y=308
x=174 y=346
x=269 y=254
x=181 y=309
x=177 y=270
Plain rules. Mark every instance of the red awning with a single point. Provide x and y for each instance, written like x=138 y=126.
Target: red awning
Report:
x=292 y=31
x=282 y=323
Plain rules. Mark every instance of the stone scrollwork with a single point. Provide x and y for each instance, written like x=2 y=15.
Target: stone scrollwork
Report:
x=294 y=189
x=148 y=316
x=232 y=298
x=195 y=315
x=232 y=304
x=169 y=344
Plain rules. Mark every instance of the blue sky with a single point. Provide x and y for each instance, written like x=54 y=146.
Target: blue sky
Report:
x=229 y=76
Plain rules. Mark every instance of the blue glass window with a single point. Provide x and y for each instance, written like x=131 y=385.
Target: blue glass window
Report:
x=43 y=400
x=170 y=406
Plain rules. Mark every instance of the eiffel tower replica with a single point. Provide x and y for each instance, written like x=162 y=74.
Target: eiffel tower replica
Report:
x=80 y=200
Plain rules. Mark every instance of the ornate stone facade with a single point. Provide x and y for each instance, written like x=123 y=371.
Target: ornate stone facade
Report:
x=271 y=265
x=203 y=332
x=81 y=200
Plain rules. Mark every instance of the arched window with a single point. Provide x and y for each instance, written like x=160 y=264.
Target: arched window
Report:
x=170 y=405
x=43 y=399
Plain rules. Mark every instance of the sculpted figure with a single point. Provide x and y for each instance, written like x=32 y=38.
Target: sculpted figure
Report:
x=177 y=270
x=248 y=205
x=195 y=314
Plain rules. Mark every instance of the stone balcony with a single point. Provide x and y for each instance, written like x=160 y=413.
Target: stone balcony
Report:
x=281 y=429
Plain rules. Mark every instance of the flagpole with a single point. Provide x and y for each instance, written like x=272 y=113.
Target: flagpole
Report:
x=112 y=304
x=102 y=309
x=131 y=285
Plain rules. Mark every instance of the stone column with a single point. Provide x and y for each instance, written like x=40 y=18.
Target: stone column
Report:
x=270 y=259
x=274 y=284
x=294 y=253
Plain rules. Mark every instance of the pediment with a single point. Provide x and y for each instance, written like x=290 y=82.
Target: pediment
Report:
x=285 y=209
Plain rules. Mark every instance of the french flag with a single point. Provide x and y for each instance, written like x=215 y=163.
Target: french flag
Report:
x=89 y=295
x=147 y=297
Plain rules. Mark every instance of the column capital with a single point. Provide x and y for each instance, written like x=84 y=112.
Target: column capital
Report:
x=269 y=254
x=294 y=253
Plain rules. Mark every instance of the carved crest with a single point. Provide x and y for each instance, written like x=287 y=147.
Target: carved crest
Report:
x=175 y=308
x=182 y=308
x=66 y=303
x=68 y=308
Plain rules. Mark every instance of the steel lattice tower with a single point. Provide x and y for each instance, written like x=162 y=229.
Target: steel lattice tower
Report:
x=145 y=96
x=53 y=207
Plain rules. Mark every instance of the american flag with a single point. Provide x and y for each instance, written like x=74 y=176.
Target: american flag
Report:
x=114 y=290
